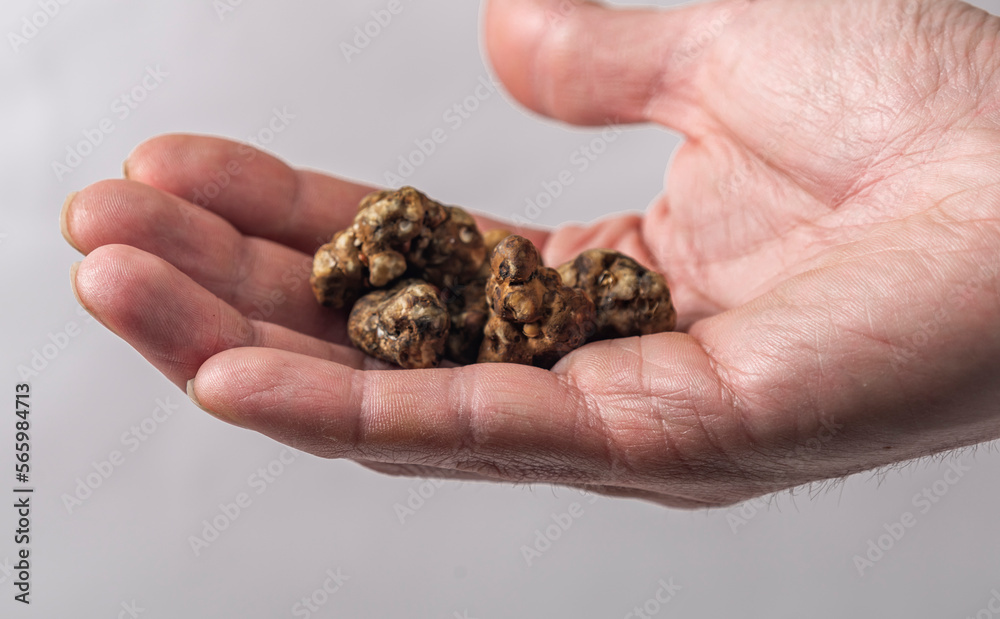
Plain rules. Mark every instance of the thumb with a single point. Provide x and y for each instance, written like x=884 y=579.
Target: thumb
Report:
x=585 y=63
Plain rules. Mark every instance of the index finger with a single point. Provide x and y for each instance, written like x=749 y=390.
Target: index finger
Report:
x=259 y=194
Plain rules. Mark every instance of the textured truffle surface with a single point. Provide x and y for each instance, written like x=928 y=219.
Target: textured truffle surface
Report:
x=534 y=318
x=339 y=276
x=468 y=308
x=629 y=299
x=395 y=234
x=406 y=324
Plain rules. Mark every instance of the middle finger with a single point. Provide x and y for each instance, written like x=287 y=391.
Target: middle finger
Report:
x=263 y=279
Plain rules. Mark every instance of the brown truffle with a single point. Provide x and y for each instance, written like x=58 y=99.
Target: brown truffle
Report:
x=397 y=233
x=454 y=302
x=468 y=308
x=450 y=252
x=491 y=238
x=385 y=224
x=339 y=276
x=534 y=318
x=406 y=324
x=469 y=311
x=629 y=299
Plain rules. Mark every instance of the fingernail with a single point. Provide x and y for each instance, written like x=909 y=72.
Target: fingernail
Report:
x=64 y=221
x=125 y=169
x=194 y=398
x=73 y=268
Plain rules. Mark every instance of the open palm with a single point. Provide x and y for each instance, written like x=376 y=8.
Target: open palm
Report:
x=829 y=230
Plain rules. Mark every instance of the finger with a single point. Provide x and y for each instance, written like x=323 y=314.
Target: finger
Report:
x=172 y=321
x=262 y=279
x=624 y=233
x=257 y=193
x=501 y=421
x=420 y=417
x=585 y=63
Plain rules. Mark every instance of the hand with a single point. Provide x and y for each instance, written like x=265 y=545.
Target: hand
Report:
x=830 y=230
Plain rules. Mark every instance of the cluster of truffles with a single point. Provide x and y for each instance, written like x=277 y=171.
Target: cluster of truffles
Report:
x=424 y=284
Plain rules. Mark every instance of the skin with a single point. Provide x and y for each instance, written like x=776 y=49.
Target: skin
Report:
x=830 y=231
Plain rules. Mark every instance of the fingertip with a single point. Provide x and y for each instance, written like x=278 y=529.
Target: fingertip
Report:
x=294 y=398
x=64 y=221
x=150 y=155
x=207 y=389
x=192 y=394
x=512 y=31
x=89 y=277
x=186 y=164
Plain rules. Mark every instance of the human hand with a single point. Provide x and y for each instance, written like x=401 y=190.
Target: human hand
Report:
x=829 y=230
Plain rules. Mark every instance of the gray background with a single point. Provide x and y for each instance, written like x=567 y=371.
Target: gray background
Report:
x=459 y=554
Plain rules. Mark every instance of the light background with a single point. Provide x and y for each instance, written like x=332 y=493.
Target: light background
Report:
x=460 y=553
